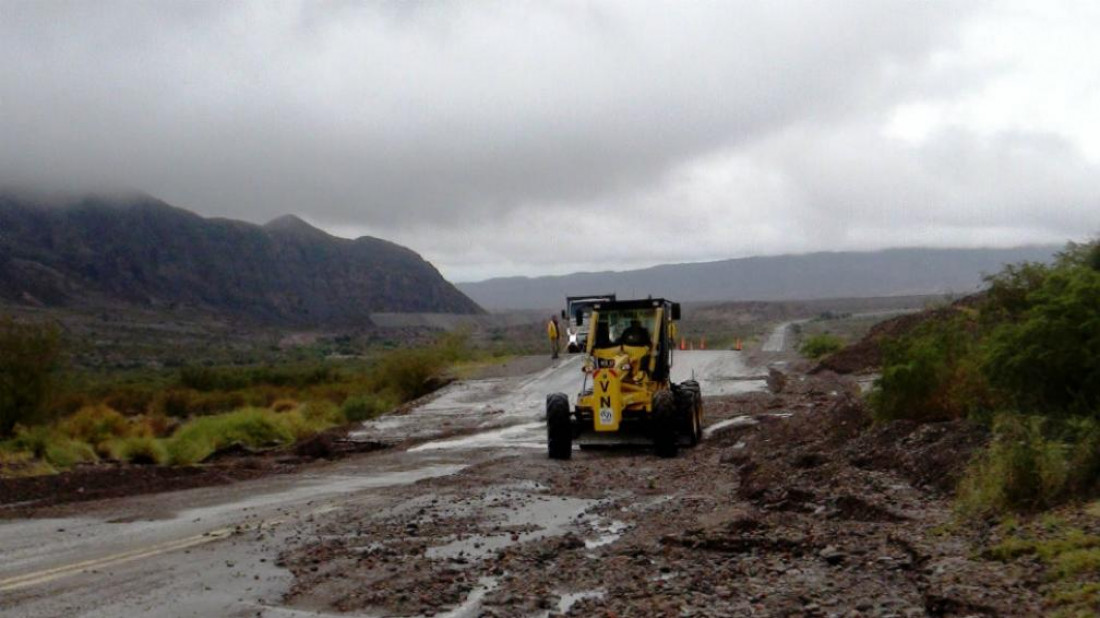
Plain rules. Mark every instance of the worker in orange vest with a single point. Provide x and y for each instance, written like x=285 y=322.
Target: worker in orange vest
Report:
x=554 y=333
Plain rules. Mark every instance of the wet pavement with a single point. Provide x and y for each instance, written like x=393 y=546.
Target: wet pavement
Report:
x=216 y=551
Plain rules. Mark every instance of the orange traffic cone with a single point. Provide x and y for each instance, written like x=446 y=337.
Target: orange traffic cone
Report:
x=737 y=346
x=683 y=346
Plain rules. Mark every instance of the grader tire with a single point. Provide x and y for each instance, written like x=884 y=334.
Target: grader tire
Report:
x=559 y=428
x=694 y=421
x=665 y=424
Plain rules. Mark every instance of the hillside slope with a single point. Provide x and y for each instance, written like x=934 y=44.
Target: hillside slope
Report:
x=892 y=272
x=97 y=251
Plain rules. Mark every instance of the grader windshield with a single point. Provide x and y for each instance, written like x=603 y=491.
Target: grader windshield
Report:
x=633 y=327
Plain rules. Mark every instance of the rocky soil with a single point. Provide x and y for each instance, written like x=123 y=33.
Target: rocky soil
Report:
x=794 y=505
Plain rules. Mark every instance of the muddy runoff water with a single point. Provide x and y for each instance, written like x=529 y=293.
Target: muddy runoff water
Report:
x=506 y=413
x=215 y=551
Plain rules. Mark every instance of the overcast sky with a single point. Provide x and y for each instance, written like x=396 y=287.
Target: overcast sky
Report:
x=549 y=137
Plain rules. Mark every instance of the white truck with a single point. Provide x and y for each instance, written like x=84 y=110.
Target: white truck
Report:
x=575 y=317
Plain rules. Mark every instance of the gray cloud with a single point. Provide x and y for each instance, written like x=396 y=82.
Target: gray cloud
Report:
x=485 y=135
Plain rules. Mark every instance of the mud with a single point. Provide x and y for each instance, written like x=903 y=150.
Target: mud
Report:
x=792 y=506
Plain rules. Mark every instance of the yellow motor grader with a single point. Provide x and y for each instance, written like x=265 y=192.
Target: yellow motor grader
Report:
x=627 y=396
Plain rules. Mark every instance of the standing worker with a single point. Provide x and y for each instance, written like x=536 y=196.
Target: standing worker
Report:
x=555 y=336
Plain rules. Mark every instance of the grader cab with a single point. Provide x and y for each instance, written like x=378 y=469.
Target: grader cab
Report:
x=627 y=396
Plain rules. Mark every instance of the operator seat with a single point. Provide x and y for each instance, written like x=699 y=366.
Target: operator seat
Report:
x=635 y=334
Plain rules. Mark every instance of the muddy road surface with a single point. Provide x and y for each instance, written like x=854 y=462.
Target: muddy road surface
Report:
x=237 y=550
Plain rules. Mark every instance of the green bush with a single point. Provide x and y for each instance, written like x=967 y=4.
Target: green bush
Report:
x=1025 y=357
x=94 y=425
x=358 y=408
x=65 y=453
x=820 y=345
x=1047 y=359
x=30 y=355
x=138 y=449
x=1032 y=463
x=1031 y=344
x=1020 y=470
x=322 y=412
x=52 y=447
x=253 y=427
x=932 y=373
x=409 y=373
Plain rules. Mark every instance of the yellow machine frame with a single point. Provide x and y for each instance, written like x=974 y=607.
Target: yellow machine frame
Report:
x=620 y=383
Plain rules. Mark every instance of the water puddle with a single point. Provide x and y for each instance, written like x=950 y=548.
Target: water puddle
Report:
x=328 y=485
x=608 y=534
x=529 y=521
x=471 y=607
x=737 y=421
x=527 y=435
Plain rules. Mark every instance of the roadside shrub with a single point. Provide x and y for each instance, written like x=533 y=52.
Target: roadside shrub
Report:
x=65 y=453
x=1083 y=459
x=94 y=425
x=30 y=355
x=454 y=346
x=1047 y=360
x=320 y=412
x=284 y=405
x=16 y=463
x=309 y=420
x=33 y=439
x=820 y=345
x=409 y=373
x=154 y=424
x=358 y=408
x=1020 y=470
x=253 y=427
x=144 y=450
x=48 y=445
x=932 y=373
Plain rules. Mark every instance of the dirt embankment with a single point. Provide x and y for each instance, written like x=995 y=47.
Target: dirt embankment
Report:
x=796 y=507
x=866 y=354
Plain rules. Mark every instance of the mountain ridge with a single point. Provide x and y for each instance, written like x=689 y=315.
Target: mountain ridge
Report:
x=834 y=274
x=94 y=251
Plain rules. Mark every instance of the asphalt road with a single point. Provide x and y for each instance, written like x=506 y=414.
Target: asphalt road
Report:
x=214 y=551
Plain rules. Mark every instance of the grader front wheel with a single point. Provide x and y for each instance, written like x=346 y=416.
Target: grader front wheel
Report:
x=691 y=411
x=559 y=429
x=665 y=424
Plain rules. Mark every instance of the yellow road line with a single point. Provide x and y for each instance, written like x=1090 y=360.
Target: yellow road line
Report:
x=48 y=575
